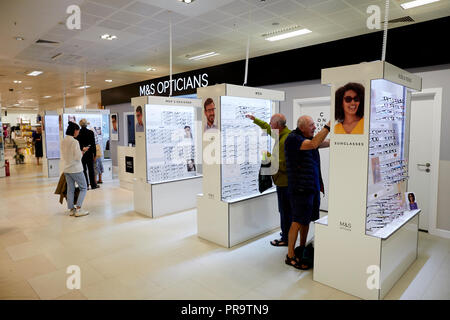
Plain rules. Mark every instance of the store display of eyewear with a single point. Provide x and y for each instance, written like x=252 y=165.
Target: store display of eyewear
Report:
x=242 y=145
x=388 y=170
x=170 y=146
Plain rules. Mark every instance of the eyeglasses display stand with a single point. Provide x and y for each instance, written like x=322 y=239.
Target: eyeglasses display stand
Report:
x=2 y=153
x=165 y=166
x=370 y=236
x=57 y=122
x=231 y=209
x=51 y=144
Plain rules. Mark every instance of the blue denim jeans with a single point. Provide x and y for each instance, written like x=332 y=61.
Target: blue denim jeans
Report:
x=284 y=207
x=79 y=178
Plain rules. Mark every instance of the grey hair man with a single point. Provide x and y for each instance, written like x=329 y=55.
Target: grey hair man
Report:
x=86 y=138
x=279 y=131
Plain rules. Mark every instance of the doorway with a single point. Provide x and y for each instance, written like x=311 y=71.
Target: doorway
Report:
x=424 y=150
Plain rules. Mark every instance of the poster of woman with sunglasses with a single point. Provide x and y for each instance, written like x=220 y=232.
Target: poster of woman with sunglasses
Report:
x=349 y=109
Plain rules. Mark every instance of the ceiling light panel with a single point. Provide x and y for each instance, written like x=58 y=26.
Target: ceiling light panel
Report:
x=417 y=3
x=34 y=73
x=287 y=35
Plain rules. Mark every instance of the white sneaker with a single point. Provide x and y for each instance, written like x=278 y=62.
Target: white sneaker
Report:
x=71 y=212
x=80 y=212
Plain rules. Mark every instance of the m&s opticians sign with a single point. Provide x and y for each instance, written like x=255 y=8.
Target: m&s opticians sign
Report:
x=181 y=84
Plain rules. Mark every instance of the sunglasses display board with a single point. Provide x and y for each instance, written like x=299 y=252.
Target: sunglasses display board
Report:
x=166 y=162
x=231 y=209
x=369 y=223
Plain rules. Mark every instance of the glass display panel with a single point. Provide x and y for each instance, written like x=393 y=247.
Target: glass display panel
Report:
x=94 y=120
x=104 y=135
x=388 y=170
x=242 y=145
x=170 y=140
x=52 y=136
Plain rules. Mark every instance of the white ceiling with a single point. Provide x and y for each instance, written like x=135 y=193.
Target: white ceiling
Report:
x=142 y=28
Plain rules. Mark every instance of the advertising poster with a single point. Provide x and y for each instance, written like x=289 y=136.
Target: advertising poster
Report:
x=114 y=119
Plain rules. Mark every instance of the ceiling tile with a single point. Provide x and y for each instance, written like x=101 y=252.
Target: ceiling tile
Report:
x=235 y=23
x=329 y=7
x=87 y=19
x=166 y=16
x=137 y=31
x=193 y=24
x=283 y=7
x=113 y=3
x=215 y=29
x=96 y=9
x=113 y=25
x=143 y=9
x=236 y=7
x=309 y=3
x=153 y=24
x=258 y=15
x=261 y=4
x=214 y=16
x=127 y=17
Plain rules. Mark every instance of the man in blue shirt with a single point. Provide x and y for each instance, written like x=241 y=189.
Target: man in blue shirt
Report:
x=304 y=182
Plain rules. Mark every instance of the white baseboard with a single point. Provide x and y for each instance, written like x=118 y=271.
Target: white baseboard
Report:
x=440 y=233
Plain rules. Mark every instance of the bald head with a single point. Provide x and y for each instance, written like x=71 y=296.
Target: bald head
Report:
x=278 y=121
x=306 y=125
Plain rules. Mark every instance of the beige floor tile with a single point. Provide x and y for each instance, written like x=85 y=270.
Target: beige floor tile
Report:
x=32 y=248
x=186 y=290
x=17 y=290
x=29 y=268
x=72 y=295
x=439 y=288
x=125 y=255
x=53 y=285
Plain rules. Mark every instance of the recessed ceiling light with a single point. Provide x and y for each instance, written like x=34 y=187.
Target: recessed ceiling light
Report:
x=417 y=3
x=108 y=80
x=34 y=73
x=187 y=1
x=17 y=81
x=203 y=56
x=19 y=38
x=289 y=35
x=46 y=97
x=28 y=88
x=84 y=87
x=108 y=37
x=151 y=69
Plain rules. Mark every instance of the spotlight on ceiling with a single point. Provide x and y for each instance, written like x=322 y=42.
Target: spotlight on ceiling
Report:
x=108 y=37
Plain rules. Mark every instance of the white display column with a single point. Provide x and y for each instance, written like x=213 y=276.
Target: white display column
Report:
x=166 y=157
x=51 y=145
x=231 y=209
x=369 y=238
x=126 y=159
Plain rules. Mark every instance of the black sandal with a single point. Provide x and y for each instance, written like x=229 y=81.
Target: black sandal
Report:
x=297 y=264
x=279 y=243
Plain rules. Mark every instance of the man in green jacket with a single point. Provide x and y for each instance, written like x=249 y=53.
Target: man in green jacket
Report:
x=278 y=130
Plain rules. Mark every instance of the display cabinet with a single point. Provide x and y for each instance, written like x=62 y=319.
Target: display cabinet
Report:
x=369 y=238
x=51 y=144
x=2 y=153
x=231 y=209
x=166 y=161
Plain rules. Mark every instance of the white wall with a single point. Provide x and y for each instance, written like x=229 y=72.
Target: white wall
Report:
x=14 y=118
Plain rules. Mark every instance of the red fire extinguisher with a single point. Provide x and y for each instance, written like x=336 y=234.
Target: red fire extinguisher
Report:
x=7 y=168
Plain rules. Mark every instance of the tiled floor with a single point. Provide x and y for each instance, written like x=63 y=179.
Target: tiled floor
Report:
x=123 y=255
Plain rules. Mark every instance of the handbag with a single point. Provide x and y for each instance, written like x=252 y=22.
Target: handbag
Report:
x=265 y=181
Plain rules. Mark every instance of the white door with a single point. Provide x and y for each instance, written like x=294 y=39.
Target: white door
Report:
x=319 y=110
x=425 y=125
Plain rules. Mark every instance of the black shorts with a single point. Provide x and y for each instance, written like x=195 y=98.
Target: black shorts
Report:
x=305 y=206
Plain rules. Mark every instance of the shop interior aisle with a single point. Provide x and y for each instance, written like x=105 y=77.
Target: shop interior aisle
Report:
x=123 y=255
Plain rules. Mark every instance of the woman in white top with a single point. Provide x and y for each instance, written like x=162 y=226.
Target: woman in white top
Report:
x=73 y=169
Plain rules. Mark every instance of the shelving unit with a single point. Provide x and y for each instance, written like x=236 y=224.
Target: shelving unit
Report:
x=163 y=181
x=369 y=238
x=231 y=210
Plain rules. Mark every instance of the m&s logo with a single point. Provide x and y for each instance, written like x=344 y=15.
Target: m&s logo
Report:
x=345 y=225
